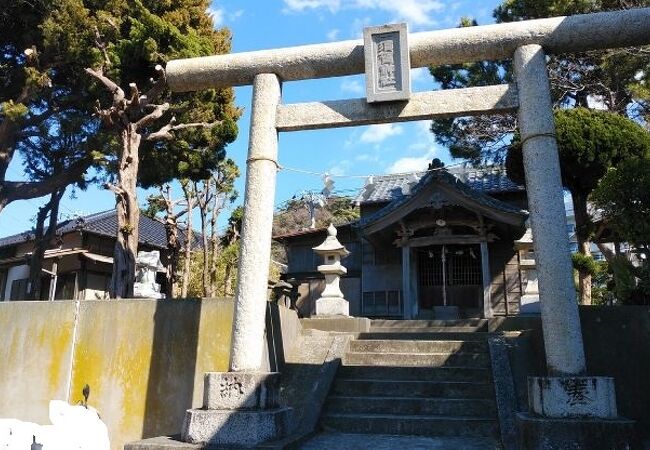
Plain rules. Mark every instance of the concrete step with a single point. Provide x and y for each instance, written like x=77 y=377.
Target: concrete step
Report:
x=336 y=440
x=409 y=346
x=416 y=373
x=355 y=387
x=385 y=323
x=418 y=335
x=480 y=360
x=432 y=329
x=411 y=406
x=411 y=425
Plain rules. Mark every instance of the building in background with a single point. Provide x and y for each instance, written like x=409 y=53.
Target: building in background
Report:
x=78 y=263
x=434 y=244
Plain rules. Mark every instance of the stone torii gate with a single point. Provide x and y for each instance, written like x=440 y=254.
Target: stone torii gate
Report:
x=567 y=392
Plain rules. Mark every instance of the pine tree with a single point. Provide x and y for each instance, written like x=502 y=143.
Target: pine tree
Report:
x=613 y=79
x=149 y=137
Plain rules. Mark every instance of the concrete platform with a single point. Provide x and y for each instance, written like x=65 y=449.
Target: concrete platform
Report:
x=330 y=441
x=162 y=443
x=542 y=433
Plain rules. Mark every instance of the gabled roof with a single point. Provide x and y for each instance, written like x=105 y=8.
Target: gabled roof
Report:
x=309 y=231
x=453 y=187
x=489 y=180
x=103 y=223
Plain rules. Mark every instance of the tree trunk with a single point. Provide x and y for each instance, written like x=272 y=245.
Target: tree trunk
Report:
x=171 y=229
x=584 y=245
x=41 y=240
x=206 y=254
x=128 y=216
x=8 y=133
x=188 y=242
x=214 y=248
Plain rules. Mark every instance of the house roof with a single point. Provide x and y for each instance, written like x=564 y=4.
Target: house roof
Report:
x=102 y=223
x=453 y=184
x=488 y=180
x=308 y=231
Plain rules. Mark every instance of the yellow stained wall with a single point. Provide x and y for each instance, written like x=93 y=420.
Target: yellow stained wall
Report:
x=35 y=357
x=144 y=360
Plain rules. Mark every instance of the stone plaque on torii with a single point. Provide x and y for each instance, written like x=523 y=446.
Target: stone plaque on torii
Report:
x=526 y=43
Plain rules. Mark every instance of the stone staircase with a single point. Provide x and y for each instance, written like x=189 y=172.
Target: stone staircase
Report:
x=422 y=378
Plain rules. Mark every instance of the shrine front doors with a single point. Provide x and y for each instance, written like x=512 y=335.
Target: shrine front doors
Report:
x=449 y=275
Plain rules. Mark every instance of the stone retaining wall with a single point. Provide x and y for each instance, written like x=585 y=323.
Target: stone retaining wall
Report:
x=144 y=360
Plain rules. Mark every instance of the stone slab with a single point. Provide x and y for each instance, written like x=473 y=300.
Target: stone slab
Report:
x=338 y=324
x=504 y=389
x=308 y=376
x=162 y=443
x=387 y=63
x=241 y=390
x=232 y=427
x=530 y=304
x=332 y=306
x=422 y=105
x=572 y=397
x=541 y=433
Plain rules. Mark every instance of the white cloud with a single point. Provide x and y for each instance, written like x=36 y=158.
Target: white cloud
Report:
x=375 y=134
x=235 y=15
x=416 y=12
x=301 y=5
x=354 y=86
x=217 y=14
x=421 y=75
x=412 y=163
x=332 y=35
x=340 y=168
x=358 y=24
x=425 y=148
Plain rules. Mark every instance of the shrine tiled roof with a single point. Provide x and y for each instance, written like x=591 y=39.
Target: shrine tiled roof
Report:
x=478 y=195
x=487 y=180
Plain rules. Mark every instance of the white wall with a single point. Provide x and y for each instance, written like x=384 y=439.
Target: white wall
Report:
x=15 y=273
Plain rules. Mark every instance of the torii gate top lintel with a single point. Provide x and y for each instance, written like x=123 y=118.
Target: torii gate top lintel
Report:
x=569 y=34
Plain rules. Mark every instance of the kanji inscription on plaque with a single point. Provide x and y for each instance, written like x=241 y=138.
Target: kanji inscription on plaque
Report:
x=387 y=63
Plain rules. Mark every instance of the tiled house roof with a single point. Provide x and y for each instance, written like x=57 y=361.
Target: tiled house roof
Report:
x=104 y=224
x=487 y=180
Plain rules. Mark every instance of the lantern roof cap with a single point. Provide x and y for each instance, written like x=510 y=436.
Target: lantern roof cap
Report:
x=331 y=244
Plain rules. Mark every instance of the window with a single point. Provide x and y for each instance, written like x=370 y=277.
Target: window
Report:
x=374 y=256
x=19 y=289
x=382 y=304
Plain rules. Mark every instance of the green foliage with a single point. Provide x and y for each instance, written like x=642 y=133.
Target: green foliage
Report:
x=128 y=38
x=623 y=195
x=601 y=284
x=584 y=263
x=589 y=143
x=617 y=77
x=226 y=274
x=631 y=284
x=46 y=44
x=294 y=215
x=12 y=111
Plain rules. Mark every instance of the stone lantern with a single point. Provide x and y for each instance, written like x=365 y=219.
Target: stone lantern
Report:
x=332 y=302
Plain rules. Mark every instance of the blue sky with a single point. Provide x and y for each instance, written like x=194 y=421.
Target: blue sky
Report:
x=347 y=154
